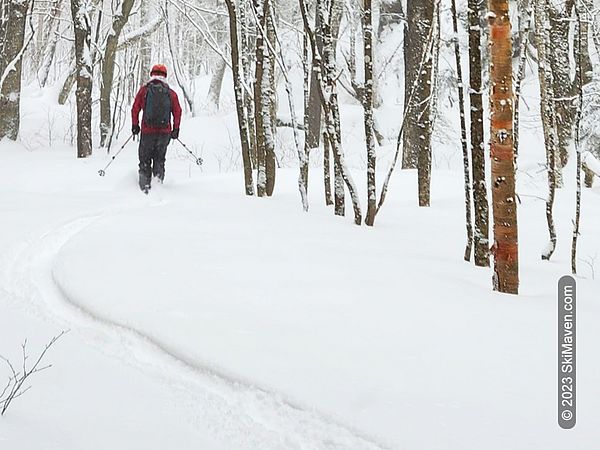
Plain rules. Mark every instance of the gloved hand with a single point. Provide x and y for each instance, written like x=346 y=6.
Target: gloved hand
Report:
x=135 y=130
x=175 y=133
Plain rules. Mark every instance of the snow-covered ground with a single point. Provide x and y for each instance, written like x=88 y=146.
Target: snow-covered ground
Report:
x=201 y=318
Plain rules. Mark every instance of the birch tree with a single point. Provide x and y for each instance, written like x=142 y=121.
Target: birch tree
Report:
x=505 y=248
x=368 y=112
x=549 y=122
x=463 y=135
x=80 y=12
x=239 y=96
x=327 y=76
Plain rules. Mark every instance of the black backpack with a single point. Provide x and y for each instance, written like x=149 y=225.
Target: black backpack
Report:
x=157 y=110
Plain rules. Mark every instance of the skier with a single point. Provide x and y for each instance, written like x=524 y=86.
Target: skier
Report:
x=159 y=102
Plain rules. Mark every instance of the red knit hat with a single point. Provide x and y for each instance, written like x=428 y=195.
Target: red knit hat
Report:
x=159 y=69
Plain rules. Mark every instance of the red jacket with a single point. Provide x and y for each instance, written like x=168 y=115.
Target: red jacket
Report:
x=139 y=104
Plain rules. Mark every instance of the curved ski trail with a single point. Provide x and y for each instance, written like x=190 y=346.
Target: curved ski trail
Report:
x=232 y=411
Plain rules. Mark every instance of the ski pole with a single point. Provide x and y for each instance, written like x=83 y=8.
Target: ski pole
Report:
x=102 y=172
x=199 y=160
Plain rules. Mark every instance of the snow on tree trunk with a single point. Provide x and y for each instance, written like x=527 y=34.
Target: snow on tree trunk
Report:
x=80 y=11
x=146 y=16
x=327 y=76
x=239 y=97
x=417 y=133
x=463 y=136
x=313 y=125
x=526 y=18
x=562 y=82
x=262 y=88
x=548 y=116
x=390 y=13
x=480 y=197
x=368 y=113
x=213 y=97
x=506 y=248
x=270 y=98
x=580 y=81
x=247 y=45
x=50 y=43
x=108 y=68
x=13 y=47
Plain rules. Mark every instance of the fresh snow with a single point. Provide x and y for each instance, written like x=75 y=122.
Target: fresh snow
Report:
x=201 y=318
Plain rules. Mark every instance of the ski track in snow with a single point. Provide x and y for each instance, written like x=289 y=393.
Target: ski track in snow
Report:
x=232 y=411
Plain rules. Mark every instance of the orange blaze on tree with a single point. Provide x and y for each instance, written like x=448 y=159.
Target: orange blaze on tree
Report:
x=505 y=248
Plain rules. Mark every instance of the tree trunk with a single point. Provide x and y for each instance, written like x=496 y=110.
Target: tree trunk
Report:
x=547 y=115
x=562 y=83
x=108 y=68
x=50 y=45
x=246 y=59
x=480 y=199
x=83 y=54
x=417 y=133
x=216 y=82
x=580 y=80
x=261 y=97
x=313 y=130
x=390 y=13
x=145 y=45
x=239 y=97
x=270 y=99
x=10 y=65
x=463 y=136
x=506 y=248
x=368 y=108
x=328 y=97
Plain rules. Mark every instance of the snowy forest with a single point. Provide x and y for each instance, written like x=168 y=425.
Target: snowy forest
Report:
x=352 y=239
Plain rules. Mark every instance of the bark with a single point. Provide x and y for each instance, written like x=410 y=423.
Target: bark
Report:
x=548 y=117
x=270 y=99
x=13 y=46
x=108 y=68
x=330 y=31
x=589 y=176
x=390 y=13
x=368 y=113
x=584 y=10
x=246 y=59
x=562 y=83
x=526 y=16
x=463 y=137
x=50 y=46
x=306 y=99
x=328 y=96
x=580 y=80
x=505 y=249
x=145 y=45
x=424 y=122
x=72 y=76
x=261 y=100
x=216 y=83
x=327 y=168
x=417 y=133
x=480 y=198
x=83 y=60
x=428 y=48
x=239 y=97
x=314 y=103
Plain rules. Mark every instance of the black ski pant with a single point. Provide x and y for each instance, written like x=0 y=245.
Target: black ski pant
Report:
x=152 y=153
